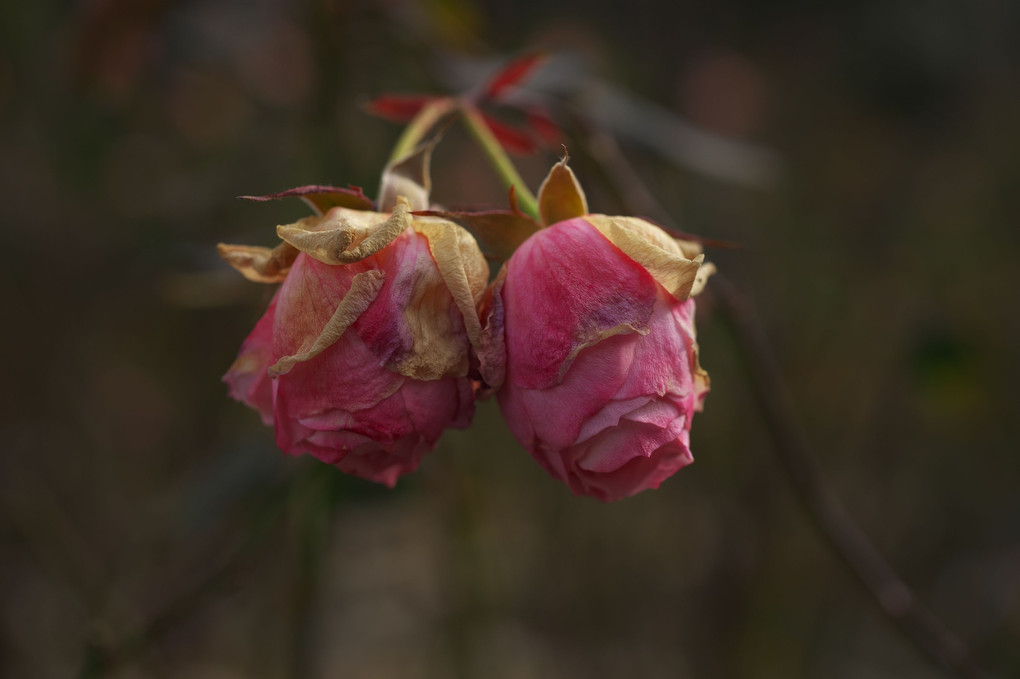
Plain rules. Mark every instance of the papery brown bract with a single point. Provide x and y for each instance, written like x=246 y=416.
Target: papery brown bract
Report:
x=362 y=357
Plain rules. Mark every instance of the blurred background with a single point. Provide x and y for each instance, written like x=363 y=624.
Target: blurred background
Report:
x=866 y=158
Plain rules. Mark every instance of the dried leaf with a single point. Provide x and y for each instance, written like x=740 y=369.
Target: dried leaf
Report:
x=561 y=197
x=322 y=198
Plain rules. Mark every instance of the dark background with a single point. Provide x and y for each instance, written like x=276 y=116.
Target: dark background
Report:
x=148 y=524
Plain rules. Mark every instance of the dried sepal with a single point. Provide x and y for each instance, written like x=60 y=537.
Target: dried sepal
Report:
x=330 y=239
x=364 y=289
x=662 y=256
x=396 y=224
x=323 y=244
x=409 y=177
x=462 y=267
x=259 y=264
x=322 y=198
x=561 y=197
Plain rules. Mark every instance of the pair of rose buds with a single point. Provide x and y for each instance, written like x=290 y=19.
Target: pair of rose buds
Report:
x=386 y=328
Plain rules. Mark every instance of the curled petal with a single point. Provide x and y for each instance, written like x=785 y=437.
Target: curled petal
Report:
x=650 y=247
x=462 y=267
x=316 y=238
x=326 y=246
x=364 y=288
x=259 y=264
x=383 y=236
x=248 y=378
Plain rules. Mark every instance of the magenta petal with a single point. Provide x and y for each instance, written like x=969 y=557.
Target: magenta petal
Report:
x=248 y=378
x=608 y=414
x=344 y=402
x=568 y=287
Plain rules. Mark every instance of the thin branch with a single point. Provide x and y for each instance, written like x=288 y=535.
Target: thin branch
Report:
x=893 y=596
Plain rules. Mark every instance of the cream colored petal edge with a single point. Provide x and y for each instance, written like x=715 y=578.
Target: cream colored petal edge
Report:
x=329 y=239
x=364 y=289
x=661 y=256
x=258 y=264
x=462 y=266
x=326 y=246
x=383 y=236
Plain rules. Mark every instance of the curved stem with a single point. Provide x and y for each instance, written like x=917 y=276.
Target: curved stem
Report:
x=499 y=159
x=893 y=596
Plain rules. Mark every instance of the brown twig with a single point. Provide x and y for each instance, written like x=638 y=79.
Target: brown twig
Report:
x=892 y=595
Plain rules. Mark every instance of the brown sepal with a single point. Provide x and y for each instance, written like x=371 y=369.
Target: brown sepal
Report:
x=561 y=197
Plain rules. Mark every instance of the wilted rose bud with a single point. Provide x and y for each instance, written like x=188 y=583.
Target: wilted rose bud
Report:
x=362 y=357
x=590 y=334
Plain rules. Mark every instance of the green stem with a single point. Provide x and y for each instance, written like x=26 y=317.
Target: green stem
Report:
x=420 y=126
x=499 y=159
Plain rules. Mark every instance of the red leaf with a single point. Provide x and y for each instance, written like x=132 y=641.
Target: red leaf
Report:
x=513 y=74
x=548 y=131
x=322 y=198
x=512 y=139
x=400 y=108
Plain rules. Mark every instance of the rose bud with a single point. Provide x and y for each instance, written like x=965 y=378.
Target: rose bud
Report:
x=362 y=357
x=590 y=341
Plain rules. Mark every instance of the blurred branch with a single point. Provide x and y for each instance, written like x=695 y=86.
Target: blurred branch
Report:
x=104 y=655
x=893 y=596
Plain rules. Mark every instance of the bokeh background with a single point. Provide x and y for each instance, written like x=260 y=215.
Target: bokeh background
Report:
x=865 y=156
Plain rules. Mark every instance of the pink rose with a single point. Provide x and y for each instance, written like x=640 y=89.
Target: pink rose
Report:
x=362 y=357
x=591 y=332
